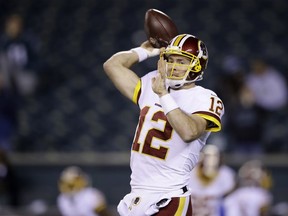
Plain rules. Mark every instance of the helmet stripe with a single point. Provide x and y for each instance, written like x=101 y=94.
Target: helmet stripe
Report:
x=177 y=40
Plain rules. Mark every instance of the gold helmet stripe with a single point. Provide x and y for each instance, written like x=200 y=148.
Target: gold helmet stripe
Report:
x=177 y=40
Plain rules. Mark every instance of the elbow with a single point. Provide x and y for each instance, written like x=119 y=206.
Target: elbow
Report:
x=189 y=136
x=105 y=65
x=108 y=66
x=189 y=139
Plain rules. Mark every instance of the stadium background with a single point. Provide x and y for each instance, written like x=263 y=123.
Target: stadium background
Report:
x=78 y=117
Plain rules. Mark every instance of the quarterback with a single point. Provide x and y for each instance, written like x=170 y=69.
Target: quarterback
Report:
x=176 y=118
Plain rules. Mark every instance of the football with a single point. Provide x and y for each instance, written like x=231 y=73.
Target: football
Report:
x=159 y=28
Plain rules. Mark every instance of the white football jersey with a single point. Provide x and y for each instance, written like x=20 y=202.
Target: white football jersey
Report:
x=207 y=197
x=160 y=159
x=82 y=203
x=247 y=201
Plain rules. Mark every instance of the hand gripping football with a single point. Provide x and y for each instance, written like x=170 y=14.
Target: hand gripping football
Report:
x=159 y=28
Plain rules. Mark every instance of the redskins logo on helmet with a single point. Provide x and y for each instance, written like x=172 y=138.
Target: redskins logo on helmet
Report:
x=72 y=179
x=191 y=47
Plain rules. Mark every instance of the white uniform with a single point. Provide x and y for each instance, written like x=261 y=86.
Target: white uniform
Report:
x=207 y=197
x=247 y=201
x=161 y=161
x=82 y=203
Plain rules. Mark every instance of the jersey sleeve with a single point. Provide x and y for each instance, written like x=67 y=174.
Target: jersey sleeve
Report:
x=144 y=82
x=211 y=108
x=214 y=122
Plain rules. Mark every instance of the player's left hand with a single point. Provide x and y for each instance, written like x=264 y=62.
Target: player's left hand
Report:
x=158 y=82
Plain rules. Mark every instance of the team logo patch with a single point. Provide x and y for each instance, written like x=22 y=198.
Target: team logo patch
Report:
x=136 y=200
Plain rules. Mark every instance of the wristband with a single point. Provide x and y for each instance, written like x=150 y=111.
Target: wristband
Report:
x=168 y=103
x=143 y=54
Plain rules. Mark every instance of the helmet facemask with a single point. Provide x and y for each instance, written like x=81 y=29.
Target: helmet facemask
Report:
x=193 y=69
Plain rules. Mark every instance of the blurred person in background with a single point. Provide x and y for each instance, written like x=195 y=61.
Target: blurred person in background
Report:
x=78 y=197
x=19 y=65
x=211 y=180
x=252 y=197
x=176 y=118
x=268 y=89
x=268 y=86
x=244 y=123
x=230 y=79
x=19 y=49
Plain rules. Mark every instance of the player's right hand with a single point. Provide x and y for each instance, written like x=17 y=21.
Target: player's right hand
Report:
x=151 y=51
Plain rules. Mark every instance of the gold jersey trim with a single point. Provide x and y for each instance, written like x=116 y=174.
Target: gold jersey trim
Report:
x=137 y=91
x=181 y=206
x=216 y=126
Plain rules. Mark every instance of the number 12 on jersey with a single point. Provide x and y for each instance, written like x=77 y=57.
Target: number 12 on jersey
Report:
x=152 y=133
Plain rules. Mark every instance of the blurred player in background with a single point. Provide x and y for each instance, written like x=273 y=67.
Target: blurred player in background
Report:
x=176 y=118
x=252 y=197
x=211 y=181
x=77 y=197
x=20 y=66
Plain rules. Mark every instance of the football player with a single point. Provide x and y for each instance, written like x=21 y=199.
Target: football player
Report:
x=211 y=180
x=252 y=197
x=77 y=196
x=176 y=118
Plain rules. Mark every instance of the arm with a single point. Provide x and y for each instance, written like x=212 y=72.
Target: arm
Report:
x=118 y=69
x=189 y=127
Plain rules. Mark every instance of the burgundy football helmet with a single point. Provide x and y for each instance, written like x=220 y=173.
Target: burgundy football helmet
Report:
x=191 y=47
